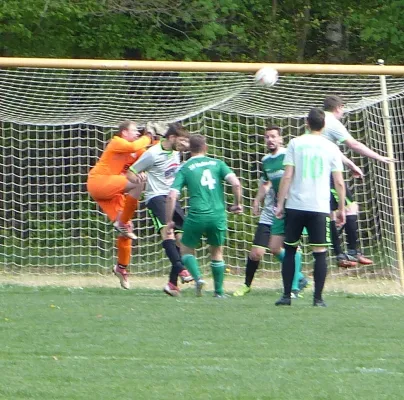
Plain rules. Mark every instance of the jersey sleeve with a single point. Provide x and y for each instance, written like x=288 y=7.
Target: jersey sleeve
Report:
x=290 y=154
x=143 y=164
x=179 y=181
x=336 y=163
x=339 y=133
x=225 y=170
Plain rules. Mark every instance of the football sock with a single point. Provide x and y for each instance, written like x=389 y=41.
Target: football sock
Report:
x=129 y=209
x=298 y=266
x=351 y=230
x=281 y=255
x=175 y=259
x=288 y=269
x=251 y=268
x=336 y=243
x=218 y=275
x=124 y=250
x=191 y=264
x=320 y=273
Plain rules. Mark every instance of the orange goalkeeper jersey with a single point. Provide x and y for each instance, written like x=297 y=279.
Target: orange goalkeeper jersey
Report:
x=119 y=155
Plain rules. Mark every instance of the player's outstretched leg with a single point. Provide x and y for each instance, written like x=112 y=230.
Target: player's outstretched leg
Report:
x=171 y=290
x=351 y=230
x=125 y=229
x=191 y=263
x=288 y=270
x=252 y=264
x=176 y=267
x=298 y=276
x=343 y=260
x=251 y=268
x=124 y=247
x=218 y=276
x=320 y=273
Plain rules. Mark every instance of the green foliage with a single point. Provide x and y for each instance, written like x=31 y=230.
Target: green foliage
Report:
x=224 y=30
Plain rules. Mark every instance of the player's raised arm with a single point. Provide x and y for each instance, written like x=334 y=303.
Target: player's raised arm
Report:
x=337 y=133
x=363 y=150
x=120 y=145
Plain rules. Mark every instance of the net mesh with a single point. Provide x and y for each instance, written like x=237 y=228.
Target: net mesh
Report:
x=56 y=122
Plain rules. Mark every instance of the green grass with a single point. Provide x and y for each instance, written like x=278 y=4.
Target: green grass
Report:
x=61 y=343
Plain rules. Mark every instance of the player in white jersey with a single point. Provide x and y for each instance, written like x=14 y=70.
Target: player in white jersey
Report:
x=161 y=163
x=309 y=162
x=336 y=132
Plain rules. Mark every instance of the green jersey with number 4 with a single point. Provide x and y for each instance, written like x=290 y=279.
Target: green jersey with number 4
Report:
x=203 y=176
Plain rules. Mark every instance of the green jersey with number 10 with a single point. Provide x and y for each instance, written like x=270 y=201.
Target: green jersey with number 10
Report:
x=203 y=176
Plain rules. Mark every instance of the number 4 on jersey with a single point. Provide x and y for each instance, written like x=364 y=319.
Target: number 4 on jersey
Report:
x=207 y=179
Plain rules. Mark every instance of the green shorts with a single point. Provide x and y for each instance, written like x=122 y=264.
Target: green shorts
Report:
x=211 y=227
x=278 y=227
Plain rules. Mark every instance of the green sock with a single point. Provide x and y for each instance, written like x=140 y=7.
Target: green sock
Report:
x=218 y=276
x=298 y=267
x=191 y=265
x=281 y=255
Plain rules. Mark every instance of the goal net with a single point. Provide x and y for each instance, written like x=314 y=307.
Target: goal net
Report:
x=56 y=122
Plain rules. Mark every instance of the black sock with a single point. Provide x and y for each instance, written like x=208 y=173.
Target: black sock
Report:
x=320 y=273
x=351 y=230
x=288 y=269
x=175 y=259
x=336 y=243
x=251 y=267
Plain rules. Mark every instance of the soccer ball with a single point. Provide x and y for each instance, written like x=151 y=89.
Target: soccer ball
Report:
x=266 y=76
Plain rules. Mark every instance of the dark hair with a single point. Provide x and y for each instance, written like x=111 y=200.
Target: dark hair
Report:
x=197 y=143
x=316 y=119
x=331 y=103
x=125 y=125
x=274 y=128
x=176 y=129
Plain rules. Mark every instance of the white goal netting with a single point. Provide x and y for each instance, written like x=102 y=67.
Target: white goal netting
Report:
x=55 y=123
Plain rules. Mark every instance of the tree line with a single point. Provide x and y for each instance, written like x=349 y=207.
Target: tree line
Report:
x=331 y=31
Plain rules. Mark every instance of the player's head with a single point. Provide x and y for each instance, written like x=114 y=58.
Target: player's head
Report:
x=177 y=137
x=316 y=120
x=273 y=138
x=335 y=105
x=128 y=130
x=197 y=144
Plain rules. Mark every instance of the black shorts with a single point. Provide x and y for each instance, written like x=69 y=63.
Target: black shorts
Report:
x=262 y=235
x=349 y=199
x=316 y=223
x=157 y=211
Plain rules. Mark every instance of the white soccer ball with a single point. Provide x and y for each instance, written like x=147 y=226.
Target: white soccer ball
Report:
x=266 y=76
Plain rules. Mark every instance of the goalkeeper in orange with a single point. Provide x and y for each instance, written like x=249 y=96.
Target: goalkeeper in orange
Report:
x=109 y=187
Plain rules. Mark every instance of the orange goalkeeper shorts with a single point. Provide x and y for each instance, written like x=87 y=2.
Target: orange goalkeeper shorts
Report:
x=108 y=192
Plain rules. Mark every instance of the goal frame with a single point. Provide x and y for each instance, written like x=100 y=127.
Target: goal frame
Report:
x=380 y=70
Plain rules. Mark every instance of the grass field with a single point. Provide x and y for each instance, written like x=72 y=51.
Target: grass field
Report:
x=105 y=343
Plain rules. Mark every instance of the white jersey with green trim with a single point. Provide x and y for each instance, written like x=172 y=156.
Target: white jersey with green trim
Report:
x=334 y=130
x=161 y=166
x=314 y=159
